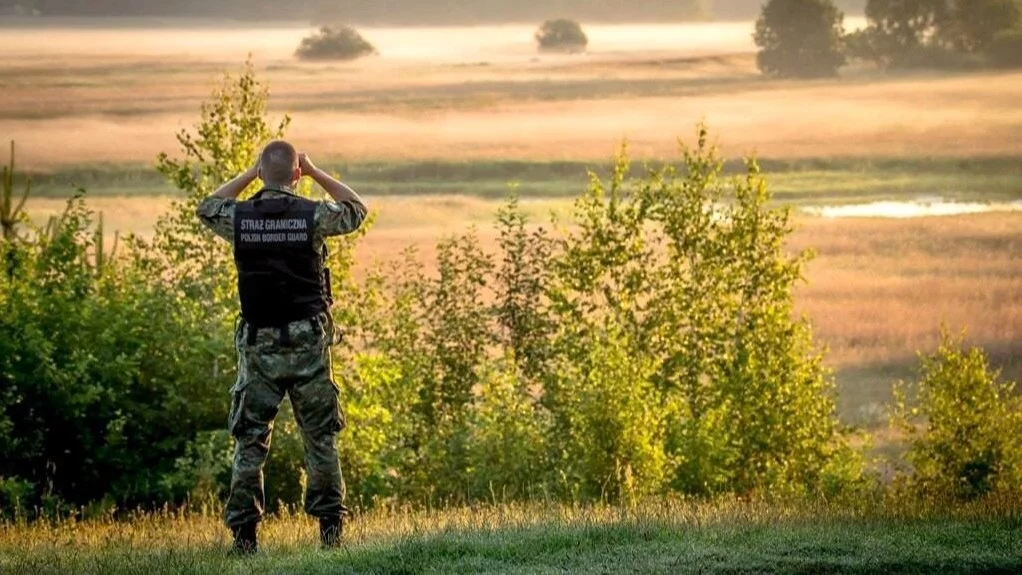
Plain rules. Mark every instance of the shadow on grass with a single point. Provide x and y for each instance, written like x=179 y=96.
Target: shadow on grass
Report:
x=865 y=391
x=854 y=547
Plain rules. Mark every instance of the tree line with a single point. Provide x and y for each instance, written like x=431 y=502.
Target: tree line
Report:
x=807 y=38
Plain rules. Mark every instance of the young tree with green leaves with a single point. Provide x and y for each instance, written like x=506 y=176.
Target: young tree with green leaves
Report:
x=963 y=422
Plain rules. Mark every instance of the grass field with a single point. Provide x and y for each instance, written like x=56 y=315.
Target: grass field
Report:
x=116 y=97
x=665 y=537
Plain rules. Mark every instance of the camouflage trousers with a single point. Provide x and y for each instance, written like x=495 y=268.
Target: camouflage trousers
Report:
x=267 y=369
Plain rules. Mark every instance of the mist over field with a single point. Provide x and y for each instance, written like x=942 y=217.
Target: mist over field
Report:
x=412 y=45
x=408 y=12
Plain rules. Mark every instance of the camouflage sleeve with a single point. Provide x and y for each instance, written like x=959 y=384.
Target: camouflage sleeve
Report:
x=338 y=219
x=218 y=215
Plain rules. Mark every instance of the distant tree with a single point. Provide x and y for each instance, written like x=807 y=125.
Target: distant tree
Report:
x=561 y=35
x=800 y=38
x=977 y=22
x=335 y=43
x=899 y=27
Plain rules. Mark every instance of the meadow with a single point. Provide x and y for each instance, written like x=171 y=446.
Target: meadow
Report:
x=653 y=537
x=435 y=129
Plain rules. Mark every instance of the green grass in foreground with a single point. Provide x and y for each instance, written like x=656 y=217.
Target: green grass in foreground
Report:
x=662 y=537
x=805 y=182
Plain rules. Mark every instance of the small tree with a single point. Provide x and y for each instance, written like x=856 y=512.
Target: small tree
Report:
x=800 y=38
x=562 y=35
x=334 y=43
x=963 y=423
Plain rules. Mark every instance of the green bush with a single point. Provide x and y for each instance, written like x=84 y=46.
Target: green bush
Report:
x=562 y=35
x=335 y=43
x=963 y=423
x=800 y=38
x=650 y=349
x=118 y=363
x=1006 y=49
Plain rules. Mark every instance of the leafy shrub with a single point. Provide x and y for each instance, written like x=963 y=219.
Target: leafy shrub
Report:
x=651 y=348
x=1005 y=51
x=335 y=43
x=699 y=295
x=98 y=395
x=964 y=424
x=800 y=38
x=562 y=35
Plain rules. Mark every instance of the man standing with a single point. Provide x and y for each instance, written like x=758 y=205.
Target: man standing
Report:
x=286 y=331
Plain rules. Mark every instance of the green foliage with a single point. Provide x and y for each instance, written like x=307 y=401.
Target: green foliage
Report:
x=1005 y=51
x=975 y=23
x=97 y=393
x=898 y=29
x=561 y=35
x=941 y=34
x=964 y=424
x=334 y=43
x=800 y=38
x=651 y=348
x=118 y=364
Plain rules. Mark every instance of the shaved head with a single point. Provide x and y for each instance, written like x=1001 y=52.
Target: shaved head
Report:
x=279 y=164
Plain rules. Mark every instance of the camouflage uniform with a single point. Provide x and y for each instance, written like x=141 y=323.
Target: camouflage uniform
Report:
x=267 y=369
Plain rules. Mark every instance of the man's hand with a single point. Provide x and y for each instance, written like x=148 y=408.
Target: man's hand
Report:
x=338 y=191
x=306 y=165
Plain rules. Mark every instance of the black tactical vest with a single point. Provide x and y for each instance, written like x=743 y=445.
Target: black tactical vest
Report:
x=281 y=278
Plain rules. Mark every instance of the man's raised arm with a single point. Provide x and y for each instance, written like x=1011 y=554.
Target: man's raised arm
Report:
x=342 y=216
x=232 y=189
x=338 y=190
x=217 y=211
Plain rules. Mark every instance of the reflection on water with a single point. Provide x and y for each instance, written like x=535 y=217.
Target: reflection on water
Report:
x=916 y=209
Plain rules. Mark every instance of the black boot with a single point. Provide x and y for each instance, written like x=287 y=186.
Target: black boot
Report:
x=245 y=539
x=330 y=531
